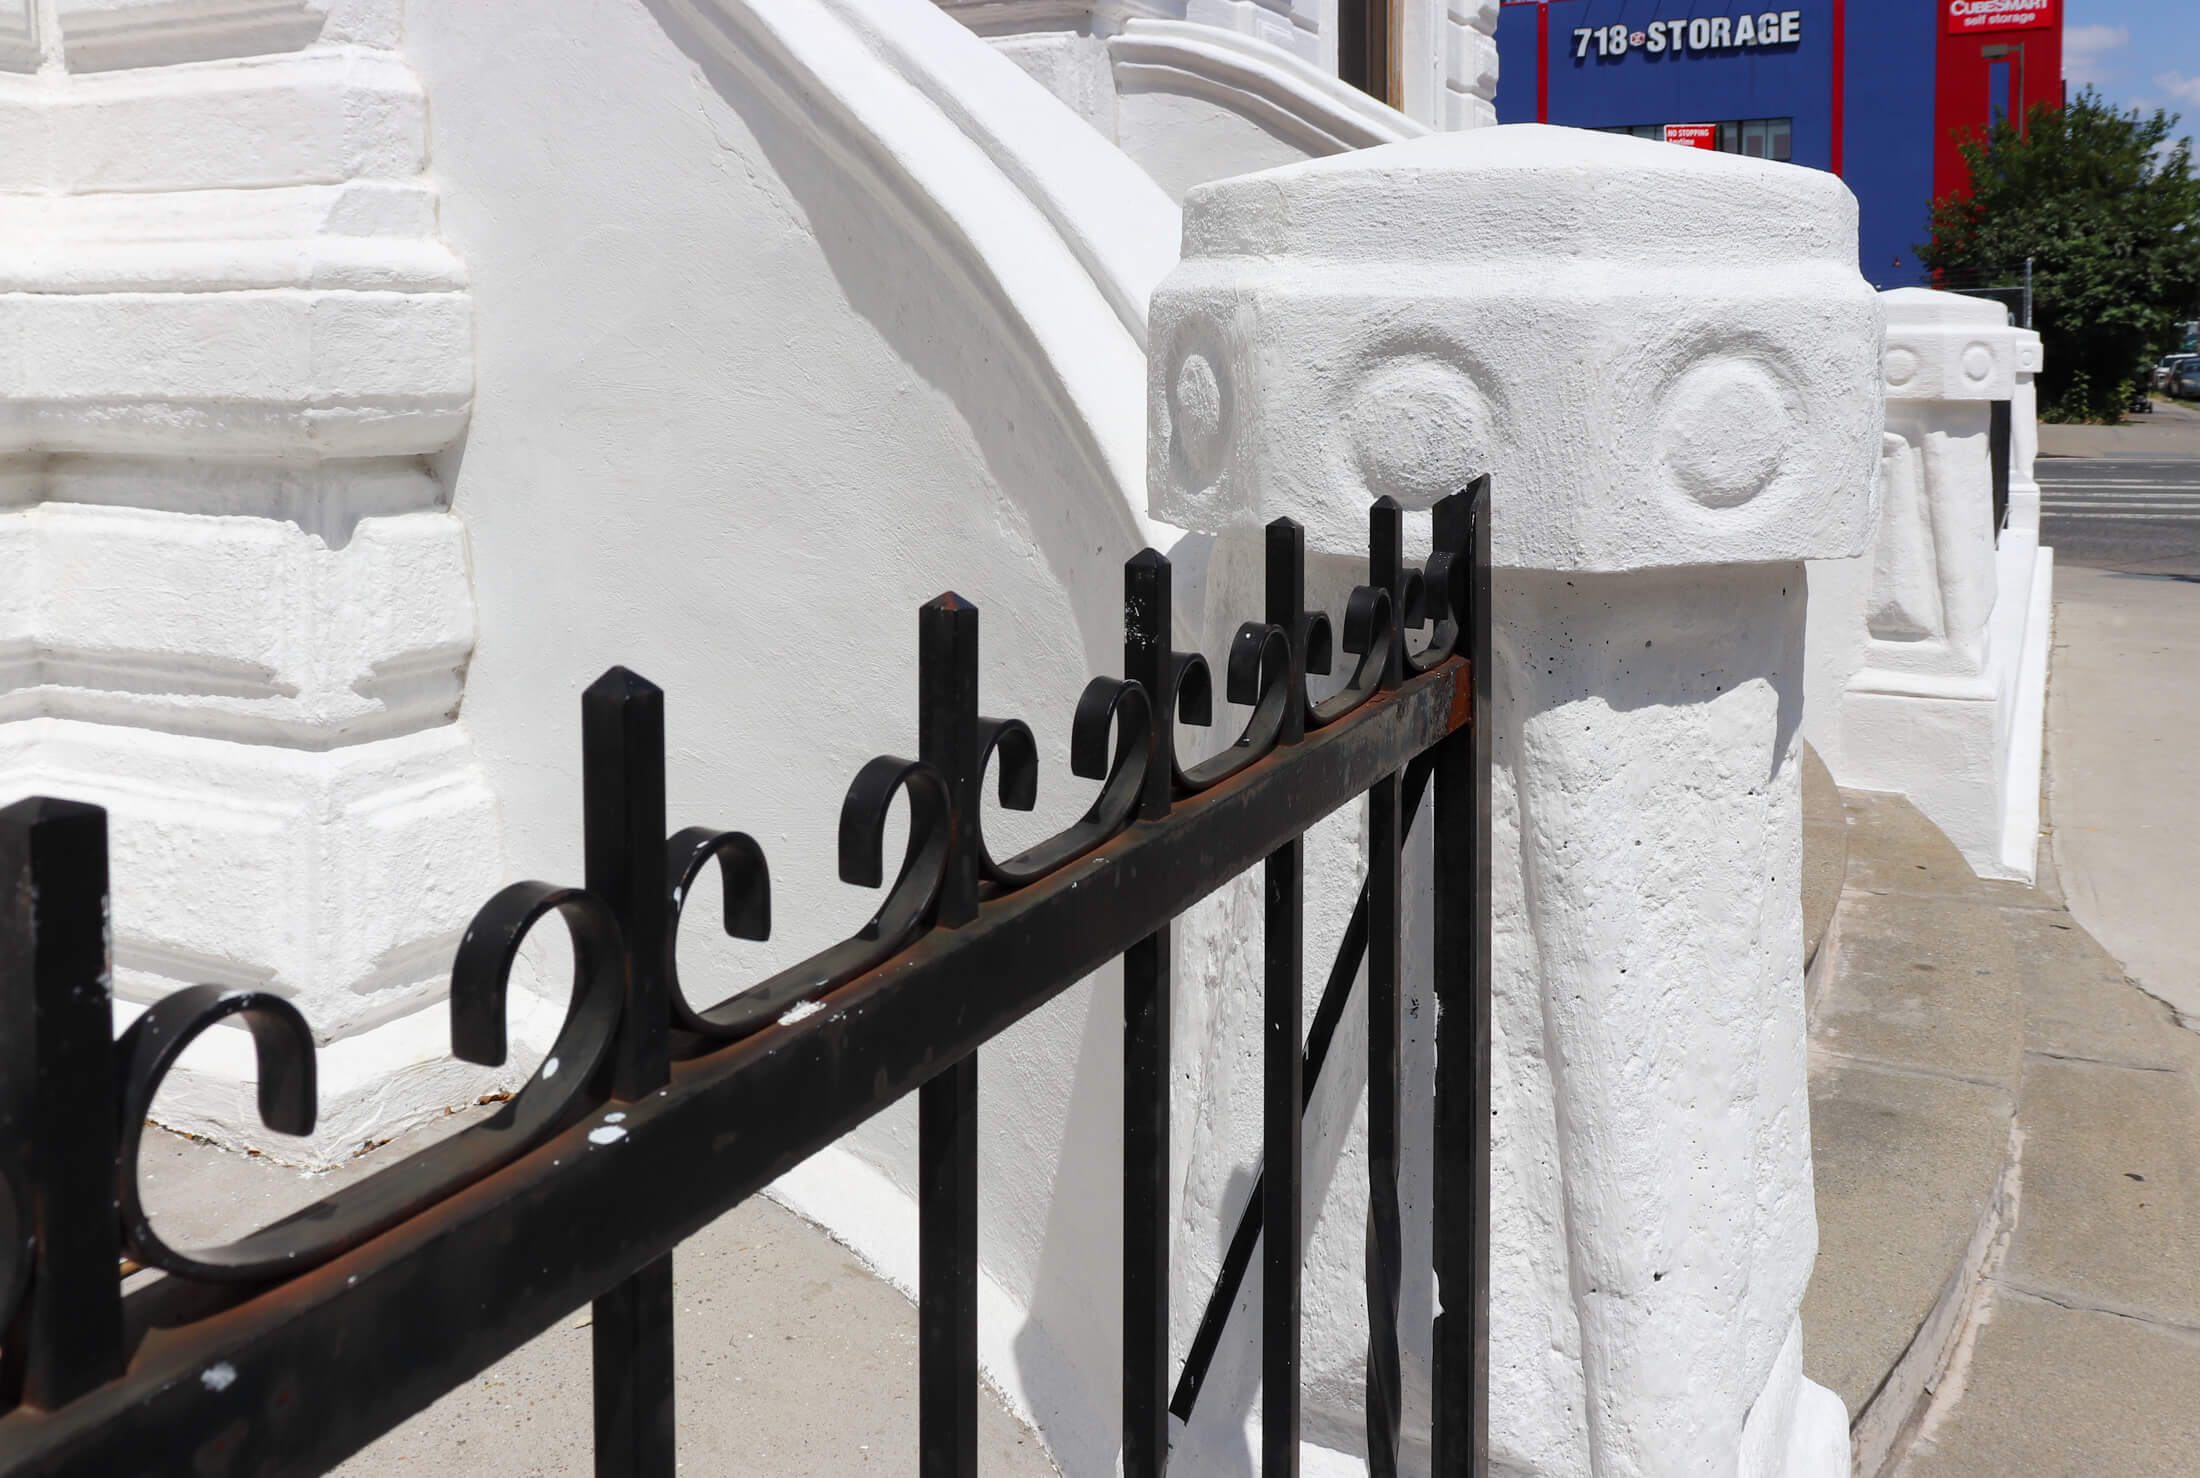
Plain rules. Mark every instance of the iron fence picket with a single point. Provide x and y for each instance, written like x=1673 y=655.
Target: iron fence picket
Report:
x=623 y=824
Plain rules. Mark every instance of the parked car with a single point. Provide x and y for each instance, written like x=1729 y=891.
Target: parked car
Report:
x=2165 y=373
x=2184 y=381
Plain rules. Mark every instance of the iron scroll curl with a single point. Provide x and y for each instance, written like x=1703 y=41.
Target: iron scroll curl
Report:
x=1107 y=705
x=283 y=1043
x=904 y=914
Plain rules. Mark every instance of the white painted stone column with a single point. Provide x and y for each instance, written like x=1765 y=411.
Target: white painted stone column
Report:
x=1942 y=702
x=1667 y=361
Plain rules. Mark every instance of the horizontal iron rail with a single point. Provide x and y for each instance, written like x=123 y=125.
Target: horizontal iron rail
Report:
x=296 y=1378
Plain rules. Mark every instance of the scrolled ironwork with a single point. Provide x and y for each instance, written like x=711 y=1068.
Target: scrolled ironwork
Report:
x=1107 y=705
x=1367 y=633
x=744 y=880
x=1259 y=675
x=284 y=1045
x=904 y=914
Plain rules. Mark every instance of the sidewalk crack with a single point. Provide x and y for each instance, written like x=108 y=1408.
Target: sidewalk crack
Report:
x=2078 y=1305
x=2129 y=1067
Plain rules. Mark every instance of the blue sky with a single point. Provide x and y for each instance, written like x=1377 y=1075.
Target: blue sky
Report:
x=2140 y=53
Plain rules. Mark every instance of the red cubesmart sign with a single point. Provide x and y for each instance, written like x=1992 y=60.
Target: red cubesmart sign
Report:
x=1973 y=17
x=1694 y=135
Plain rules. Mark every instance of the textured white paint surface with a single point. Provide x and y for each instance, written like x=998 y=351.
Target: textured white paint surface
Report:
x=777 y=338
x=1332 y=335
x=1195 y=103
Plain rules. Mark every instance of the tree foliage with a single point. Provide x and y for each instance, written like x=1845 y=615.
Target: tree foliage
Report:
x=2107 y=207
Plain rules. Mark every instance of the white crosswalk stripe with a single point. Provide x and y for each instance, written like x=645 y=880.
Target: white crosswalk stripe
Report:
x=2088 y=517
x=2105 y=494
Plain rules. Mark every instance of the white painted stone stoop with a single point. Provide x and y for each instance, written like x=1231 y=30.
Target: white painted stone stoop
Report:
x=236 y=609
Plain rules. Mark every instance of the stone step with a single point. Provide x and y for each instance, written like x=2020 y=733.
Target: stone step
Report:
x=1917 y=1042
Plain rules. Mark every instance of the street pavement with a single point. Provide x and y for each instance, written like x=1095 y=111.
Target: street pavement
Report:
x=2124 y=497
x=2128 y=514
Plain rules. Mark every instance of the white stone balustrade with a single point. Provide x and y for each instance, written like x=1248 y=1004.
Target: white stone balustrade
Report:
x=1929 y=659
x=1197 y=90
x=1668 y=363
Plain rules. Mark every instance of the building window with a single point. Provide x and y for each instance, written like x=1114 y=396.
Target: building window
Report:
x=1759 y=138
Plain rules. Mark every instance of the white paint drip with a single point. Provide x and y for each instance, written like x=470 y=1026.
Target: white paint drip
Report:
x=608 y=1134
x=549 y=1069
x=218 y=1377
x=799 y=1010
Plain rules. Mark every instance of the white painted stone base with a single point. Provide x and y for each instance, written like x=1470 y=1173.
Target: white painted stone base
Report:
x=2020 y=826
x=1796 y=1428
x=1966 y=750
x=1819 y=1447
x=341 y=878
x=866 y=1212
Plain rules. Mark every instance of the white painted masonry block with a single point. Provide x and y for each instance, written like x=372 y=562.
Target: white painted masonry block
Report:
x=101 y=34
x=1668 y=363
x=1939 y=640
x=311 y=118
x=235 y=606
x=19 y=50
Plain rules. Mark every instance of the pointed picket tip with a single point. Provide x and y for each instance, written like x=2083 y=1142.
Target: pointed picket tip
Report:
x=622 y=683
x=1148 y=558
x=47 y=810
x=948 y=600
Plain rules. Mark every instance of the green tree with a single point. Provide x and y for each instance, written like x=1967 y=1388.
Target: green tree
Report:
x=2107 y=207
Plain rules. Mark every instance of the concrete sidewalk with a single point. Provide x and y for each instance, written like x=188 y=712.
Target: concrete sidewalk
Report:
x=793 y=1358
x=2171 y=430
x=2007 y=1143
x=2006 y=1112
x=2123 y=713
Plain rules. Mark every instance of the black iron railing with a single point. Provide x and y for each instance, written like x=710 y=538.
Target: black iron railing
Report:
x=1999 y=449
x=293 y=1347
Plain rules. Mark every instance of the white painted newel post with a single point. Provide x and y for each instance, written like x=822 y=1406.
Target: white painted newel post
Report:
x=1669 y=364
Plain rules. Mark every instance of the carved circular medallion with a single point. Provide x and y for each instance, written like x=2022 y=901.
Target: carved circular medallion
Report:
x=1725 y=428
x=1900 y=367
x=1978 y=363
x=1197 y=414
x=1417 y=430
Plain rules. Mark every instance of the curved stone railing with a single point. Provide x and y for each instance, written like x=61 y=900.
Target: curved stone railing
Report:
x=1058 y=228
x=1275 y=88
